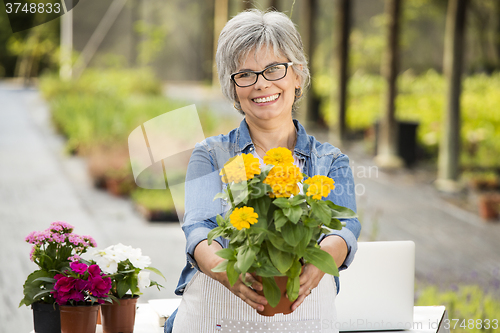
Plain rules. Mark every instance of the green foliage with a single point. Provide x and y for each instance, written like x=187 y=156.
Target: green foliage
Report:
x=422 y=99
x=284 y=235
x=469 y=303
x=153 y=199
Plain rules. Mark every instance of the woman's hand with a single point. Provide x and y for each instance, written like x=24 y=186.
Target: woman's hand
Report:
x=311 y=276
x=309 y=279
x=206 y=259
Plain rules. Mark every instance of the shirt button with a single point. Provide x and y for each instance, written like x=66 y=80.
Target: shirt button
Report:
x=251 y=148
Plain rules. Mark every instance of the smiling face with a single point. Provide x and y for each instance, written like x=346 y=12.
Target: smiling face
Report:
x=267 y=100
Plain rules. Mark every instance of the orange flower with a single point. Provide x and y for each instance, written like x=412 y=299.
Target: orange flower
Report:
x=319 y=186
x=240 y=168
x=283 y=179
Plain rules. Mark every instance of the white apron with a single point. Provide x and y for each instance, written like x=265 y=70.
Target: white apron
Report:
x=209 y=307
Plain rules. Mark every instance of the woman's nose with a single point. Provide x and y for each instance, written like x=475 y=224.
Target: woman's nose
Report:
x=261 y=83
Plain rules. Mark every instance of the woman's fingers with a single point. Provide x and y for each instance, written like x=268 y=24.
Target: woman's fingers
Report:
x=248 y=295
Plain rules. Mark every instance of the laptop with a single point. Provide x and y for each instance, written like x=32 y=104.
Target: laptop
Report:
x=377 y=290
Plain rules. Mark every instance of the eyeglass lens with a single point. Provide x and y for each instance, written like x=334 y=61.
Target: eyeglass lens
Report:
x=272 y=73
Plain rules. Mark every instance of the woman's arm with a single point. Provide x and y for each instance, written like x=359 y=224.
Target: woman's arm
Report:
x=202 y=184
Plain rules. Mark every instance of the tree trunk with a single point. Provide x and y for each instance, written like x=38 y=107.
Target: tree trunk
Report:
x=247 y=4
x=387 y=148
x=344 y=29
x=274 y=4
x=310 y=105
x=220 y=19
x=449 y=151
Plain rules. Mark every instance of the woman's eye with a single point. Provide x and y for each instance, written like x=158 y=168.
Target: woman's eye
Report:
x=244 y=75
x=272 y=69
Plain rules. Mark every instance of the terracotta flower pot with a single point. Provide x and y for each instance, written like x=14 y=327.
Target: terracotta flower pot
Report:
x=284 y=306
x=79 y=319
x=119 y=317
x=46 y=318
x=489 y=205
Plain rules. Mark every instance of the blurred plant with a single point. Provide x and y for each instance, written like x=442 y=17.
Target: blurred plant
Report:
x=467 y=303
x=421 y=98
x=152 y=42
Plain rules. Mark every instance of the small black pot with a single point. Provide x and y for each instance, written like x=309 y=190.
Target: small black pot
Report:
x=46 y=318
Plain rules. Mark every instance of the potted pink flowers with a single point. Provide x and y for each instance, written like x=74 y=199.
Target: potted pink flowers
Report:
x=77 y=290
x=53 y=250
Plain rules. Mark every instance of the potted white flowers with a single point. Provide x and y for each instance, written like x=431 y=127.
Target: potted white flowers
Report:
x=129 y=271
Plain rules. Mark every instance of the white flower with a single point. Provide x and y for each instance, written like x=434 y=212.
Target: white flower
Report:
x=140 y=261
x=143 y=280
x=106 y=265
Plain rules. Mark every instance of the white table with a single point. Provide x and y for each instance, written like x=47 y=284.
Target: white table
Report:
x=426 y=319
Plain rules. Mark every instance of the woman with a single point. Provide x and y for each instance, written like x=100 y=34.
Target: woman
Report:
x=263 y=70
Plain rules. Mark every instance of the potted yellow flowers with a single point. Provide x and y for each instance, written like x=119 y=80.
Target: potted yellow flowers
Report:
x=273 y=225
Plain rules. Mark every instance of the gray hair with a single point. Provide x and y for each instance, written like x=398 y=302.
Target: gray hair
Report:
x=252 y=30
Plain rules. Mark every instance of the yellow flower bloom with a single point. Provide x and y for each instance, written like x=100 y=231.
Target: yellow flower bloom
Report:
x=240 y=168
x=283 y=179
x=278 y=155
x=319 y=186
x=242 y=217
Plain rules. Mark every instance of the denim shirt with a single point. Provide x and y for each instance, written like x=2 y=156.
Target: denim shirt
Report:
x=203 y=182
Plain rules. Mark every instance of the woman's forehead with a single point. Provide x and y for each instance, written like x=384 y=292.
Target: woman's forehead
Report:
x=260 y=57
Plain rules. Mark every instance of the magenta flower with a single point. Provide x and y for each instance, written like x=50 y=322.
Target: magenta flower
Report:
x=94 y=271
x=79 y=268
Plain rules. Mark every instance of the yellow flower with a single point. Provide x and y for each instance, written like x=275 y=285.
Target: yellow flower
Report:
x=319 y=186
x=242 y=217
x=278 y=155
x=283 y=179
x=240 y=168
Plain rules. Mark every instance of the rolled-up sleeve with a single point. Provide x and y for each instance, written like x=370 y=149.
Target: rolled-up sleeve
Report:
x=345 y=195
x=202 y=184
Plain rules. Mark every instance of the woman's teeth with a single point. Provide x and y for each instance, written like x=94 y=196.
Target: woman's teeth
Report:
x=266 y=99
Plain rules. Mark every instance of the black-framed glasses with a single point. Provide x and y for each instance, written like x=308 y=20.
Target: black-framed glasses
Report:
x=272 y=72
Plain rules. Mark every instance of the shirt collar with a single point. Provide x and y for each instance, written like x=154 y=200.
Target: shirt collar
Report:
x=302 y=146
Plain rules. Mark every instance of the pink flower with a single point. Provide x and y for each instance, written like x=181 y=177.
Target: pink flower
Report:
x=32 y=253
x=79 y=268
x=94 y=271
x=90 y=241
x=61 y=226
x=75 y=257
x=100 y=286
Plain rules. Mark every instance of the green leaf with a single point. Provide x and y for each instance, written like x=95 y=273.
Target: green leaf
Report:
x=321 y=211
x=279 y=219
x=293 y=213
x=271 y=291
x=322 y=260
x=281 y=260
x=226 y=254
x=222 y=195
x=340 y=212
x=293 y=233
x=261 y=207
x=122 y=287
x=297 y=200
x=220 y=221
x=293 y=287
x=222 y=267
x=334 y=224
x=156 y=271
x=45 y=279
x=267 y=270
x=278 y=242
x=34 y=284
x=301 y=247
x=282 y=203
x=232 y=274
x=245 y=258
